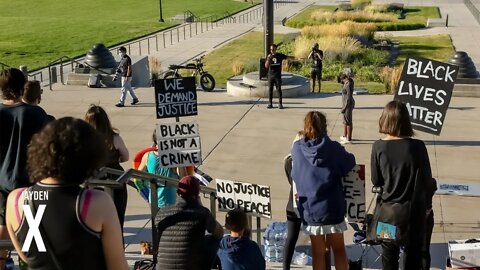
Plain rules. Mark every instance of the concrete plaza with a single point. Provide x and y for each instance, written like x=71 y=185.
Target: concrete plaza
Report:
x=243 y=141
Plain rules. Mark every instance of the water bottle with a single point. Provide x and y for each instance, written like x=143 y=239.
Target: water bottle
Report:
x=300 y=259
x=9 y=264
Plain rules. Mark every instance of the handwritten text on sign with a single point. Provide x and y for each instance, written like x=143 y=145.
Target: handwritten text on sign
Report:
x=178 y=144
x=252 y=198
x=354 y=189
x=176 y=97
x=426 y=87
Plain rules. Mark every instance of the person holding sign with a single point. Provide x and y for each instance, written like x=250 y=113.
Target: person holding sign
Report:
x=318 y=167
x=348 y=103
x=401 y=166
x=166 y=195
x=273 y=64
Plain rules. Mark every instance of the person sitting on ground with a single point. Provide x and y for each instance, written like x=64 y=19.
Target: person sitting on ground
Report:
x=181 y=229
x=79 y=227
x=117 y=153
x=166 y=195
x=237 y=251
x=32 y=94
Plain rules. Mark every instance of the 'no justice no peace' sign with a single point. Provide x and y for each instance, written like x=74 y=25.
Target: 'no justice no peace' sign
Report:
x=426 y=87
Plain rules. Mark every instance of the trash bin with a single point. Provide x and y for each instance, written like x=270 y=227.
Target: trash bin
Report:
x=53 y=74
x=262 y=71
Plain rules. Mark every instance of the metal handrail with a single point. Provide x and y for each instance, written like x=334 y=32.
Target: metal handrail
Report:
x=124 y=177
x=34 y=75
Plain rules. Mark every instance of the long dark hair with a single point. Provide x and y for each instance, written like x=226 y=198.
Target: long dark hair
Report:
x=315 y=125
x=98 y=118
x=395 y=120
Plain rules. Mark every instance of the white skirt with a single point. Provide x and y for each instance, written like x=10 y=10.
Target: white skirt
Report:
x=325 y=229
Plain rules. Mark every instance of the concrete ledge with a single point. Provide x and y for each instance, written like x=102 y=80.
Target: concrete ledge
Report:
x=466 y=90
x=248 y=85
x=436 y=22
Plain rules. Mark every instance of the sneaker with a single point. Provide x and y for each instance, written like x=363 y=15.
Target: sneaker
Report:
x=119 y=105
x=280 y=106
x=269 y=106
x=343 y=138
x=135 y=101
x=345 y=142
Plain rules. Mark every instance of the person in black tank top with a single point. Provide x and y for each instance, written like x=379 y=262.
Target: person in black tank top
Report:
x=79 y=227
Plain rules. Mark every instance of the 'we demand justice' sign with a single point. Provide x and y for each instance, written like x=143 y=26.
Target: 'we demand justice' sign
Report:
x=426 y=88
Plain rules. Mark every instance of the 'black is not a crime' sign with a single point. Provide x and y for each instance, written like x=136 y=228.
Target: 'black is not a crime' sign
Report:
x=175 y=97
x=426 y=87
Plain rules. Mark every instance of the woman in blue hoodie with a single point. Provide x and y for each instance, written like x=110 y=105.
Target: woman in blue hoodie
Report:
x=318 y=167
x=237 y=251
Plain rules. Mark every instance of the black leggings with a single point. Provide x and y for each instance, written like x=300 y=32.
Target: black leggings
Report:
x=292 y=237
x=277 y=81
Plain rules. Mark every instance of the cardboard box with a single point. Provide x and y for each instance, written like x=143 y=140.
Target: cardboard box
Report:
x=464 y=255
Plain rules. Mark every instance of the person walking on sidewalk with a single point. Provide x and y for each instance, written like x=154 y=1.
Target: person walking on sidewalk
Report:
x=317 y=57
x=125 y=68
x=273 y=64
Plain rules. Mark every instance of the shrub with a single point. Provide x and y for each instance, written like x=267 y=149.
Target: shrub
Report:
x=360 y=3
x=251 y=66
x=237 y=68
x=334 y=48
x=377 y=8
x=391 y=77
x=346 y=28
x=321 y=16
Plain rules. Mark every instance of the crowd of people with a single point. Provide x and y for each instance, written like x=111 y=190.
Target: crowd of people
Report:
x=82 y=228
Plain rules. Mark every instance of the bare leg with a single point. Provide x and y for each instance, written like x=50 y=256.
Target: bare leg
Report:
x=337 y=245
x=349 y=132
x=345 y=131
x=313 y=86
x=319 y=85
x=318 y=252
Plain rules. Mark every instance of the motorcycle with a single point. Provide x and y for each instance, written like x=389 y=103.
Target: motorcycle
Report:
x=207 y=82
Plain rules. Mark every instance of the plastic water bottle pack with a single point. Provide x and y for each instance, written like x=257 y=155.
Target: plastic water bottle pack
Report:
x=274 y=241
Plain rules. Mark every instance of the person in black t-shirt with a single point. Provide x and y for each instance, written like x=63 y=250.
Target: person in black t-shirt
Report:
x=401 y=166
x=18 y=122
x=125 y=68
x=273 y=64
x=317 y=58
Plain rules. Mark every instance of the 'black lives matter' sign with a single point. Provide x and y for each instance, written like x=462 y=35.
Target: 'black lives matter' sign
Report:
x=176 y=97
x=426 y=87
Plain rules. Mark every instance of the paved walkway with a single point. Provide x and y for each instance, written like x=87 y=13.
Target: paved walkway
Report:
x=242 y=140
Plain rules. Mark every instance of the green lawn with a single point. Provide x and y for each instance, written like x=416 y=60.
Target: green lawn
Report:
x=416 y=17
x=372 y=87
x=437 y=47
x=246 y=51
x=37 y=32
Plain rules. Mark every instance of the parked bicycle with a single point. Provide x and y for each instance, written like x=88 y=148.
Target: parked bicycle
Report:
x=207 y=82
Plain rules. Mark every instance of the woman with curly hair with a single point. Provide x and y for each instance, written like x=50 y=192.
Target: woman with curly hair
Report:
x=79 y=227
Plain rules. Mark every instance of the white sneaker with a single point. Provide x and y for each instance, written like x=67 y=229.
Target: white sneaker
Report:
x=343 y=138
x=345 y=141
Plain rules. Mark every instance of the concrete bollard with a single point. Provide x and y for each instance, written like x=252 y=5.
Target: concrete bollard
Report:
x=54 y=74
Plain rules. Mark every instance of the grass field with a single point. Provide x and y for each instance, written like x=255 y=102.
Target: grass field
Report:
x=437 y=47
x=35 y=33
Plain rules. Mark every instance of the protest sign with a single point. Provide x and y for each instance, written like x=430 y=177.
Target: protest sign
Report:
x=252 y=198
x=426 y=87
x=354 y=189
x=176 y=97
x=178 y=144
x=459 y=189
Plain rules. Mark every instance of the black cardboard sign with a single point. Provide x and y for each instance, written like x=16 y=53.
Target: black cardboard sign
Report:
x=426 y=87
x=175 y=97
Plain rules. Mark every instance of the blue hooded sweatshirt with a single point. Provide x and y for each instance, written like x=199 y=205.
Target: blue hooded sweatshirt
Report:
x=318 y=167
x=240 y=253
